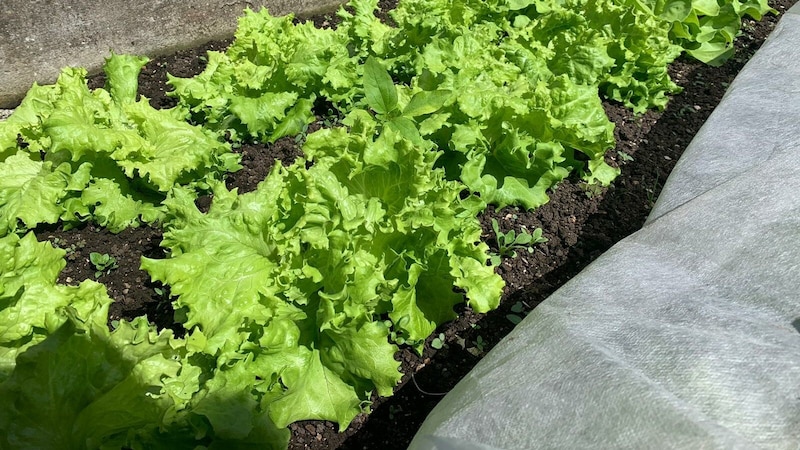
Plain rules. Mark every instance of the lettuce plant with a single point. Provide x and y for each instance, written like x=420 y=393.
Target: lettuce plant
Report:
x=68 y=382
x=295 y=279
x=706 y=29
x=71 y=154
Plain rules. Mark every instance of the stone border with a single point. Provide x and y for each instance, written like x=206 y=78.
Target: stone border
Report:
x=38 y=39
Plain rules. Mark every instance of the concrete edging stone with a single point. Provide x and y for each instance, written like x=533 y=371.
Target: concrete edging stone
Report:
x=38 y=39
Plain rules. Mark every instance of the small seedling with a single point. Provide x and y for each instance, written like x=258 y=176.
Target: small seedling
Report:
x=519 y=312
x=624 y=156
x=592 y=190
x=103 y=263
x=513 y=318
x=685 y=110
x=479 y=343
x=397 y=336
x=332 y=118
x=508 y=243
x=478 y=346
x=652 y=193
x=394 y=411
x=71 y=249
x=301 y=136
x=438 y=342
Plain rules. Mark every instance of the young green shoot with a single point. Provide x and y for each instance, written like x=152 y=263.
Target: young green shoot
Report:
x=518 y=311
x=103 y=263
x=438 y=342
x=508 y=243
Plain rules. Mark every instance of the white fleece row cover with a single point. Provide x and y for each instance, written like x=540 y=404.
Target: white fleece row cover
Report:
x=685 y=334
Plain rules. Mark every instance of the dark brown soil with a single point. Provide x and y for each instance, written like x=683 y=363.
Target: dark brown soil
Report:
x=580 y=224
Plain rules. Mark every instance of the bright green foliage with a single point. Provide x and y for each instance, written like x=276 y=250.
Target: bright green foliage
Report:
x=94 y=384
x=506 y=136
x=72 y=154
x=30 y=300
x=102 y=262
x=67 y=382
x=512 y=125
x=522 y=78
x=379 y=90
x=294 y=280
x=265 y=84
x=707 y=28
x=509 y=242
x=85 y=387
x=295 y=296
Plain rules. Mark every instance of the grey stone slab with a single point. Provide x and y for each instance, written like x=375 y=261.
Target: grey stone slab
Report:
x=38 y=38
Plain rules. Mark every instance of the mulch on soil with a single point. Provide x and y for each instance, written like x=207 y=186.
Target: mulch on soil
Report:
x=580 y=224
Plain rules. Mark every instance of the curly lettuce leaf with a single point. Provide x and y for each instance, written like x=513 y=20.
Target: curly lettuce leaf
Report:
x=83 y=387
x=264 y=85
x=66 y=381
x=30 y=300
x=73 y=154
x=301 y=272
x=26 y=262
x=706 y=29
x=30 y=192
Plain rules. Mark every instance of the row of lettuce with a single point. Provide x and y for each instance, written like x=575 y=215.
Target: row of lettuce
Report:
x=295 y=295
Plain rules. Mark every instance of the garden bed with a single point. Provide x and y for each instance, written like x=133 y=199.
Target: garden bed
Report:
x=580 y=222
